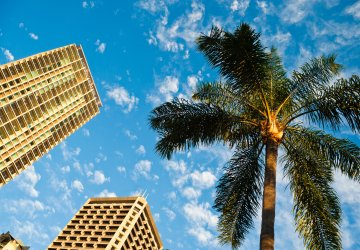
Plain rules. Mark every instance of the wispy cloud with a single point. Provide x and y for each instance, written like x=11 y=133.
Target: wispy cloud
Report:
x=142 y=169
x=240 y=6
x=88 y=4
x=183 y=30
x=98 y=177
x=28 y=180
x=33 y=36
x=8 y=55
x=101 y=46
x=166 y=88
x=354 y=10
x=141 y=150
x=106 y=193
x=202 y=222
x=77 y=185
x=122 y=98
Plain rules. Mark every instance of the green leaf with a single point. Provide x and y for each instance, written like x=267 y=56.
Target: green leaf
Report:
x=239 y=56
x=317 y=208
x=183 y=124
x=238 y=194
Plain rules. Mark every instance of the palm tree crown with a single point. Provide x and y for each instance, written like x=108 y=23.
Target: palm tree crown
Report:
x=258 y=109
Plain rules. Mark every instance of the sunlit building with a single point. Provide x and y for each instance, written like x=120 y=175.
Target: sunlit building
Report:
x=8 y=242
x=43 y=99
x=110 y=223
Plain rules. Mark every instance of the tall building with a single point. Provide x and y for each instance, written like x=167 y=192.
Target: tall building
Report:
x=110 y=223
x=8 y=242
x=43 y=99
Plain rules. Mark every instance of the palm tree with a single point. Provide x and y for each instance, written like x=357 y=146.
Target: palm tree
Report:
x=258 y=110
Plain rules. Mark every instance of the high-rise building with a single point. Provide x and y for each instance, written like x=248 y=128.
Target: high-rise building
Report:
x=110 y=223
x=8 y=242
x=43 y=99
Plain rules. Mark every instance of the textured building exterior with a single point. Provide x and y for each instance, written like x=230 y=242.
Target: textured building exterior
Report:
x=110 y=223
x=43 y=99
x=8 y=242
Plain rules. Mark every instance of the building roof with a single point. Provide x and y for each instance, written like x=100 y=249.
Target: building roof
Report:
x=111 y=223
x=5 y=238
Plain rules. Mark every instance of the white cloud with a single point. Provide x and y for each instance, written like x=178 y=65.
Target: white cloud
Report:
x=33 y=36
x=264 y=6
x=175 y=166
x=169 y=85
x=354 y=10
x=156 y=217
x=86 y=132
x=201 y=221
x=122 y=98
x=67 y=153
x=200 y=214
x=100 y=157
x=30 y=208
x=184 y=29
x=99 y=178
x=191 y=193
x=169 y=213
x=121 y=169
x=179 y=180
x=240 y=6
x=296 y=10
x=21 y=25
x=101 y=46
x=27 y=181
x=203 y=236
x=166 y=88
x=7 y=54
x=77 y=166
x=142 y=168
x=280 y=39
x=172 y=196
x=76 y=184
x=30 y=230
x=192 y=81
x=141 y=150
x=106 y=193
x=90 y=4
x=65 y=169
x=203 y=180
x=129 y=134
x=152 y=6
x=346 y=189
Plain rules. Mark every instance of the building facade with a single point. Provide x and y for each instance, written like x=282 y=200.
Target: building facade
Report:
x=8 y=242
x=110 y=224
x=43 y=99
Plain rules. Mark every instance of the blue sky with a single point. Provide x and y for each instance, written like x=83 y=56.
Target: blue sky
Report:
x=142 y=53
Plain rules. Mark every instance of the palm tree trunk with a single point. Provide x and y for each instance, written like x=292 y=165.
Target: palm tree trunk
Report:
x=269 y=197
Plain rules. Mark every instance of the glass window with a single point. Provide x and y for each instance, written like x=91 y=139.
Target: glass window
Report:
x=2 y=76
x=6 y=72
x=12 y=70
x=3 y=133
x=10 y=113
x=9 y=129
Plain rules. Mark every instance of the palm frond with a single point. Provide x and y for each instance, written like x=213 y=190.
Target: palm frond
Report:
x=238 y=194
x=317 y=208
x=341 y=154
x=333 y=104
x=279 y=86
x=240 y=56
x=183 y=124
x=310 y=80
x=315 y=75
x=222 y=95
